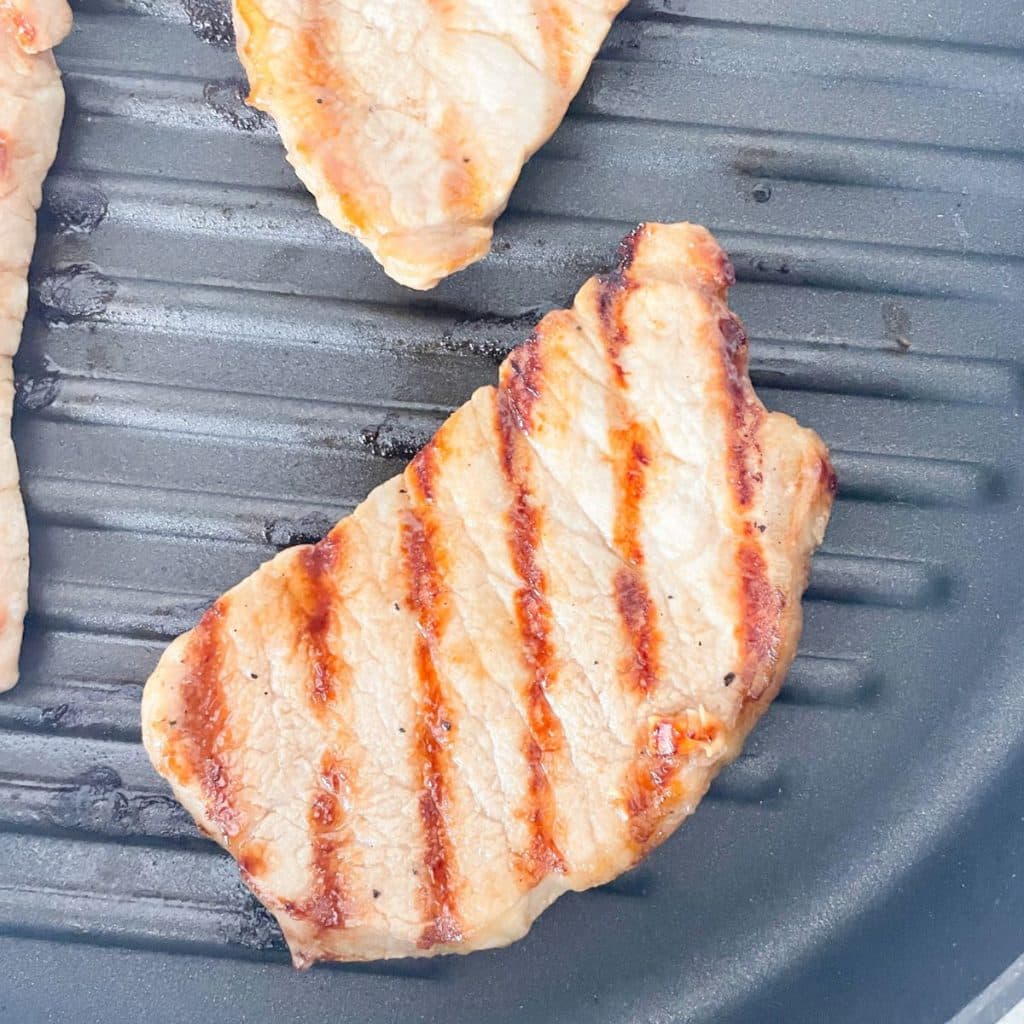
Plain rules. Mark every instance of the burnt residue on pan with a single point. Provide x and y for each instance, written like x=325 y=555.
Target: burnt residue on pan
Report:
x=98 y=802
x=73 y=206
x=392 y=439
x=490 y=335
x=36 y=391
x=72 y=293
x=254 y=928
x=284 y=532
x=37 y=381
x=226 y=98
x=210 y=20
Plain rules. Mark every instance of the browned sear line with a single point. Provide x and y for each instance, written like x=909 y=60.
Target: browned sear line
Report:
x=761 y=612
x=544 y=735
x=327 y=905
x=317 y=564
x=631 y=448
x=745 y=413
x=434 y=721
x=557 y=31
x=522 y=386
x=761 y=603
x=664 y=747
x=641 y=666
x=203 y=724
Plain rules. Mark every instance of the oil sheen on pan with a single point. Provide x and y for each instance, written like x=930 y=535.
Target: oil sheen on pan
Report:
x=516 y=667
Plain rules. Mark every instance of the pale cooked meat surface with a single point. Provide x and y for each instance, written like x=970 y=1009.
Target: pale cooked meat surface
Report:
x=31 y=109
x=516 y=667
x=410 y=120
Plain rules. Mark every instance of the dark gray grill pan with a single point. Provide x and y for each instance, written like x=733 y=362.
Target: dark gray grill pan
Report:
x=210 y=371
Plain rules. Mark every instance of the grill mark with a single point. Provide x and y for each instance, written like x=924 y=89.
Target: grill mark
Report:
x=625 y=254
x=463 y=185
x=631 y=446
x=317 y=564
x=203 y=724
x=521 y=382
x=328 y=904
x=653 y=788
x=761 y=611
x=761 y=604
x=253 y=860
x=745 y=415
x=557 y=31
x=827 y=476
x=424 y=469
x=544 y=737
x=723 y=275
x=433 y=761
x=642 y=666
x=612 y=289
x=325 y=99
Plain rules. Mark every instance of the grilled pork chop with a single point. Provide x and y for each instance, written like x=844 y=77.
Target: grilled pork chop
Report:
x=410 y=120
x=516 y=667
x=31 y=109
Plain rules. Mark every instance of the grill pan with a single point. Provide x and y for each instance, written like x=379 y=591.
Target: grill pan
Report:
x=210 y=372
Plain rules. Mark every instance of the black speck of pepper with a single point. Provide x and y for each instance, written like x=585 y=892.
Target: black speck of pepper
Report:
x=376 y=894
x=252 y=675
x=397 y=607
x=400 y=729
x=730 y=677
x=761 y=527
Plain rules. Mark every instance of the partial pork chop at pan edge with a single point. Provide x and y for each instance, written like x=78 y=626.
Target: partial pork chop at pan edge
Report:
x=410 y=120
x=516 y=667
x=31 y=111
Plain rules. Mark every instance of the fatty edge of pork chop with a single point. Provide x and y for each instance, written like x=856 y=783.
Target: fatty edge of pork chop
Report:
x=410 y=120
x=517 y=666
x=31 y=111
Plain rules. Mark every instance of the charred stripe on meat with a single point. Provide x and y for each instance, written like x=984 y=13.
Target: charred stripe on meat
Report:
x=544 y=737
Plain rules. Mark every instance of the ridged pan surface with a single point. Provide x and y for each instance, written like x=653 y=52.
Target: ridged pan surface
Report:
x=211 y=372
